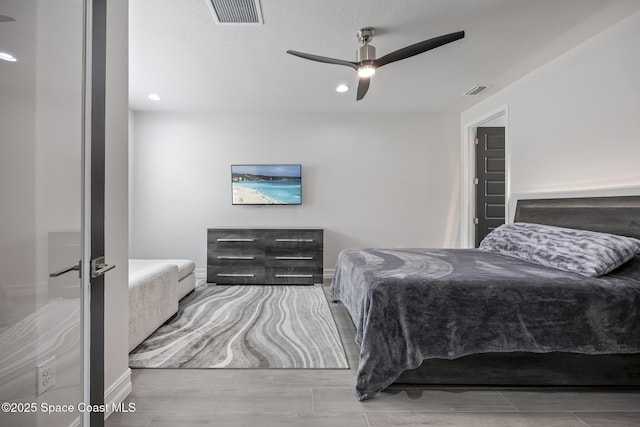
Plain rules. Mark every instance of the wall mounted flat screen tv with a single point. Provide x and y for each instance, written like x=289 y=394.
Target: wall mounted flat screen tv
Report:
x=276 y=184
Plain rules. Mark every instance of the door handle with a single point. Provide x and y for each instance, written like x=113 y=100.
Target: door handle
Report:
x=66 y=270
x=98 y=267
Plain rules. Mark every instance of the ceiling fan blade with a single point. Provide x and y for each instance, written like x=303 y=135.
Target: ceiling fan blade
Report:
x=418 y=48
x=363 y=87
x=324 y=59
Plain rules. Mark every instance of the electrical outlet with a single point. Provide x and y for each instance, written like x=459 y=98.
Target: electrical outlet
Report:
x=45 y=375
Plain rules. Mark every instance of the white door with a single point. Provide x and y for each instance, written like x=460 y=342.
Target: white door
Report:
x=43 y=333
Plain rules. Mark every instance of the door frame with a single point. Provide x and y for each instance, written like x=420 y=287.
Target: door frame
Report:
x=93 y=207
x=468 y=172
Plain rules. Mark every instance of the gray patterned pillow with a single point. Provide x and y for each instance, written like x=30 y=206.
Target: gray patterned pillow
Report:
x=587 y=253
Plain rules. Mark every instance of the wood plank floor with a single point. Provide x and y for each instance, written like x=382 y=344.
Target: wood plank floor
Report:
x=314 y=398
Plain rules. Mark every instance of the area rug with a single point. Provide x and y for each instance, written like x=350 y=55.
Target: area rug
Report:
x=246 y=327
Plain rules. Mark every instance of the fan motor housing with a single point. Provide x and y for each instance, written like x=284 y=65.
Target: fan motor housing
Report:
x=366 y=52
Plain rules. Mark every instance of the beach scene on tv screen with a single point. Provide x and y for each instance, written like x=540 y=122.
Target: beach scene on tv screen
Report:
x=266 y=184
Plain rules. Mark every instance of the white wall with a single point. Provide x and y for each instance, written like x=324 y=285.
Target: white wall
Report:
x=117 y=375
x=368 y=180
x=573 y=122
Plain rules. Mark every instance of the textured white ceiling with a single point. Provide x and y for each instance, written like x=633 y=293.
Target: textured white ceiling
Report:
x=178 y=51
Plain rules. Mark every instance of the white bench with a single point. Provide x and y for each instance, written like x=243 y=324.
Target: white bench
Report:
x=155 y=287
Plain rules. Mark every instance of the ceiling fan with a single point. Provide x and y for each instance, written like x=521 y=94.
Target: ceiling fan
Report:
x=366 y=63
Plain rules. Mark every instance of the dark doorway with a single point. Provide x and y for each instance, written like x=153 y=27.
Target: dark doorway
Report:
x=490 y=181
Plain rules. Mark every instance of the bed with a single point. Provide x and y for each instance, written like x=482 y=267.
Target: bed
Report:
x=479 y=316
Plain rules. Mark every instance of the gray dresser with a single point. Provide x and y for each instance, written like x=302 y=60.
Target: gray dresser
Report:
x=264 y=256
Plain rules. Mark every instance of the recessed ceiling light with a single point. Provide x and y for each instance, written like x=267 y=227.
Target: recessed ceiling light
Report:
x=342 y=88
x=7 y=57
x=154 y=97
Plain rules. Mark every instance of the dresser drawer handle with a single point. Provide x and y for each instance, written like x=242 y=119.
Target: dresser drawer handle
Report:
x=236 y=240
x=236 y=257
x=295 y=240
x=293 y=275
x=294 y=258
x=235 y=275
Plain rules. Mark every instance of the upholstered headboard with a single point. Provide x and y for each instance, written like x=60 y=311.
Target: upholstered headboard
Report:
x=615 y=215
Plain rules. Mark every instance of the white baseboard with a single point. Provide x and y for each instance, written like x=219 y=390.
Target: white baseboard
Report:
x=201 y=273
x=117 y=392
x=327 y=273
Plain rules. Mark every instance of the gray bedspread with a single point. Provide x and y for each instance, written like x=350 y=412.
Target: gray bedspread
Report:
x=413 y=304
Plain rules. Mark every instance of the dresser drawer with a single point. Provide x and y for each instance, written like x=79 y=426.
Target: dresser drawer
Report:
x=236 y=275
x=293 y=239
x=235 y=235
x=292 y=258
x=236 y=255
x=293 y=275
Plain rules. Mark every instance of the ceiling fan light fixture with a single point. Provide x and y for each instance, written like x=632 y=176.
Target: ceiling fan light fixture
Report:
x=366 y=71
x=367 y=62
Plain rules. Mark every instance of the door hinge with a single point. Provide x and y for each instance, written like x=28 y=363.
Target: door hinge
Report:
x=476 y=221
x=475 y=181
x=475 y=141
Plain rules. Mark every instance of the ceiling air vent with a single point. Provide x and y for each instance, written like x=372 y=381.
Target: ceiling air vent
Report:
x=236 y=11
x=475 y=90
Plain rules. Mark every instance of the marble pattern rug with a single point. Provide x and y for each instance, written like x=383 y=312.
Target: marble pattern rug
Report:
x=246 y=327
